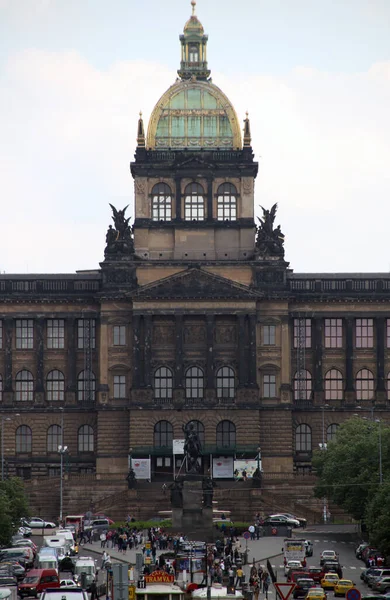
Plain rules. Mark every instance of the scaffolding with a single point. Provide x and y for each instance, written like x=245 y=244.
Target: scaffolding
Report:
x=87 y=343
x=301 y=379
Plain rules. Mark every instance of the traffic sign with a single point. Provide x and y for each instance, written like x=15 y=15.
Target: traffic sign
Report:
x=353 y=594
x=285 y=589
x=274 y=531
x=246 y=535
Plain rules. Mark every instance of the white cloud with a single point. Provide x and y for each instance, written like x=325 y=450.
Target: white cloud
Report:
x=68 y=135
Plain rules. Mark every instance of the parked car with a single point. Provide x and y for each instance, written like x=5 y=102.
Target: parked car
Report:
x=14 y=567
x=290 y=521
x=342 y=587
x=382 y=585
x=327 y=555
x=24 y=543
x=377 y=575
x=38 y=523
x=360 y=548
x=302 y=522
x=367 y=572
x=302 y=587
x=98 y=525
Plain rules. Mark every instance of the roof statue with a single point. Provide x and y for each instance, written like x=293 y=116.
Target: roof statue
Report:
x=269 y=240
x=119 y=240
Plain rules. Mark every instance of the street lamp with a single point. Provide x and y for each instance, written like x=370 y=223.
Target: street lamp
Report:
x=129 y=458
x=258 y=459
x=62 y=450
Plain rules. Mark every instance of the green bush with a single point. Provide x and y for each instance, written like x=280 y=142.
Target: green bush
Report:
x=166 y=523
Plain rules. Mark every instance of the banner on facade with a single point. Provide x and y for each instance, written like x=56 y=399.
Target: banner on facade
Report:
x=244 y=469
x=223 y=467
x=141 y=467
x=178 y=446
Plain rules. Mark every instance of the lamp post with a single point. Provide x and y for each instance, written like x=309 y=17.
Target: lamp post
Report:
x=62 y=450
x=258 y=459
x=129 y=458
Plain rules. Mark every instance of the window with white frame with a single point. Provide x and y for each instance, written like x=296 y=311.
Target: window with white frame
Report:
x=85 y=439
x=334 y=388
x=364 y=333
x=55 y=333
x=226 y=382
x=269 y=386
x=303 y=438
x=333 y=333
x=365 y=385
x=331 y=431
x=163 y=383
x=24 y=334
x=54 y=438
x=194 y=383
x=269 y=335
x=55 y=386
x=302 y=333
x=86 y=386
x=119 y=335
x=302 y=385
x=86 y=333
x=227 y=202
x=24 y=386
x=161 y=202
x=194 y=202
x=23 y=439
x=119 y=386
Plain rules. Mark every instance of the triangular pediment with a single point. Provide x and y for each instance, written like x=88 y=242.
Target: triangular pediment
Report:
x=195 y=284
x=195 y=161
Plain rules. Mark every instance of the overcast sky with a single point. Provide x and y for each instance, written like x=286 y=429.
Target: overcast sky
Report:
x=313 y=74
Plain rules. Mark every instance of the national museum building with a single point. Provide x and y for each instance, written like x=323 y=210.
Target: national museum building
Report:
x=194 y=315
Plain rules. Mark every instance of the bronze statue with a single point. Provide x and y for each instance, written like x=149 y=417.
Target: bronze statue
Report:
x=208 y=491
x=269 y=241
x=119 y=240
x=121 y=224
x=192 y=448
x=131 y=479
x=176 y=494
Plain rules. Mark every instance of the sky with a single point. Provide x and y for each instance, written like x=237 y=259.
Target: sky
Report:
x=313 y=74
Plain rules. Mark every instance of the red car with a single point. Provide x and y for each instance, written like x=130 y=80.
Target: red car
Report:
x=315 y=573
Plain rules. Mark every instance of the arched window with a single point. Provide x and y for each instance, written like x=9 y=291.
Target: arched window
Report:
x=364 y=385
x=194 y=383
x=199 y=429
x=303 y=438
x=163 y=383
x=163 y=434
x=1 y=388
x=333 y=385
x=86 y=385
x=85 y=439
x=302 y=385
x=54 y=438
x=161 y=202
x=194 y=202
x=225 y=383
x=55 y=386
x=226 y=434
x=227 y=202
x=24 y=388
x=331 y=431
x=23 y=439
x=193 y=53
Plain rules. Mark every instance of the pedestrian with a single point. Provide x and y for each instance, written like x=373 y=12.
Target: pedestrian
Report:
x=256 y=588
x=251 y=530
x=103 y=539
x=231 y=576
x=93 y=590
x=239 y=576
x=266 y=583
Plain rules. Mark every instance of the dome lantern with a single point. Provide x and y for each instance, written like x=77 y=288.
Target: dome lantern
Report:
x=193 y=63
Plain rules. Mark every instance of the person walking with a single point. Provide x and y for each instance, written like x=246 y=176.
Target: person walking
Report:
x=266 y=583
x=256 y=587
x=93 y=590
x=239 y=576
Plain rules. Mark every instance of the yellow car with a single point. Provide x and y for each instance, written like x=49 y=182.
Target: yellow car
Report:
x=316 y=593
x=329 y=581
x=342 y=587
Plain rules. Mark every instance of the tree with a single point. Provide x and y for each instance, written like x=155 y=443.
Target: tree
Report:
x=378 y=519
x=13 y=506
x=6 y=527
x=348 y=470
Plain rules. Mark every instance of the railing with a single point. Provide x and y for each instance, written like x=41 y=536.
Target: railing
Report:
x=58 y=286
x=347 y=285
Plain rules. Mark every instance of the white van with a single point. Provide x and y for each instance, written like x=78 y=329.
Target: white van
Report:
x=45 y=561
x=85 y=565
x=68 y=535
x=58 y=542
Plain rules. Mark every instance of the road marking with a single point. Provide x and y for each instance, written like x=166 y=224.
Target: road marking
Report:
x=352 y=567
x=343 y=542
x=334 y=542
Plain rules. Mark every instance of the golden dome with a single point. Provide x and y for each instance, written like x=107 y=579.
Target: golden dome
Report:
x=193 y=24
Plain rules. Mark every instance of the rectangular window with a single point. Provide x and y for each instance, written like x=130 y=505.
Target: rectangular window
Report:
x=24 y=334
x=333 y=333
x=56 y=333
x=269 y=386
x=1 y=334
x=269 y=335
x=119 y=386
x=86 y=330
x=364 y=333
x=119 y=335
x=302 y=333
x=53 y=471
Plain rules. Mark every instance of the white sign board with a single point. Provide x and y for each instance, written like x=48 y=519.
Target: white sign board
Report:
x=178 y=446
x=223 y=467
x=141 y=467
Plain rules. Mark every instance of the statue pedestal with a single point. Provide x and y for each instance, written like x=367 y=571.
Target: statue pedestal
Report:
x=193 y=519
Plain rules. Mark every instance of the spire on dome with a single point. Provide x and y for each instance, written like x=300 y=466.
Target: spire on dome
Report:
x=247 y=132
x=193 y=49
x=140 y=132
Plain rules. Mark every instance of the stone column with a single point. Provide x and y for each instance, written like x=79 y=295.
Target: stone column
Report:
x=178 y=392
x=242 y=350
x=148 y=351
x=318 y=387
x=103 y=389
x=210 y=375
x=252 y=362
x=178 y=198
x=39 y=382
x=349 y=381
x=8 y=388
x=209 y=199
x=136 y=377
x=380 y=360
